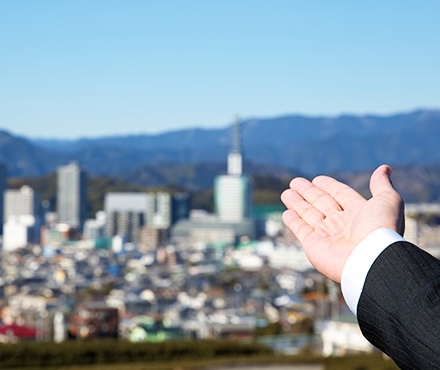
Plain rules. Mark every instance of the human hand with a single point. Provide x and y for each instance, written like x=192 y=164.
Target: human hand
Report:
x=330 y=219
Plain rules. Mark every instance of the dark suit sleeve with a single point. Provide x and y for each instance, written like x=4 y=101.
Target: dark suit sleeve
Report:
x=399 y=308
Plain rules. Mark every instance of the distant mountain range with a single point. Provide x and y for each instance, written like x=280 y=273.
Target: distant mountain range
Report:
x=295 y=143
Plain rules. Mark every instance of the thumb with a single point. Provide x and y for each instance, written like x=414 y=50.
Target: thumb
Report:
x=380 y=184
x=380 y=181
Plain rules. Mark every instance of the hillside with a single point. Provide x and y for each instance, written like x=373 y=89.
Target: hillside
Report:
x=310 y=145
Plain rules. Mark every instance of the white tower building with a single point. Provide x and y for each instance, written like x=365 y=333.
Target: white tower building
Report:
x=21 y=202
x=3 y=181
x=23 y=218
x=235 y=161
x=233 y=191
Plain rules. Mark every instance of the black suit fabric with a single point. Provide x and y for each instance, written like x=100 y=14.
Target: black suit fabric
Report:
x=399 y=308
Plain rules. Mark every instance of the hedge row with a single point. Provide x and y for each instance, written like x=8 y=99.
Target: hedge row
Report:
x=105 y=352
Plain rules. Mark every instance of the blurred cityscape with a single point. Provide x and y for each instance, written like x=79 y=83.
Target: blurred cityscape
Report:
x=151 y=268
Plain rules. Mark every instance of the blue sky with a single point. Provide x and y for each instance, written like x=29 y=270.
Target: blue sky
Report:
x=86 y=68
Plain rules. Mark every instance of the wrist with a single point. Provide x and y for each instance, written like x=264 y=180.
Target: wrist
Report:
x=359 y=262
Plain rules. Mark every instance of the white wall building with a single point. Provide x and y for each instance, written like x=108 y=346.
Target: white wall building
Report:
x=18 y=232
x=342 y=338
x=23 y=218
x=21 y=202
x=126 y=213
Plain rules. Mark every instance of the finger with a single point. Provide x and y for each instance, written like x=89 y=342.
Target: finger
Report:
x=380 y=181
x=320 y=199
x=297 y=225
x=381 y=185
x=341 y=193
x=293 y=200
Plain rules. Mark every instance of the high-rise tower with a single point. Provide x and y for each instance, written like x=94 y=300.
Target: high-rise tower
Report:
x=235 y=166
x=72 y=195
x=233 y=191
x=232 y=200
x=3 y=179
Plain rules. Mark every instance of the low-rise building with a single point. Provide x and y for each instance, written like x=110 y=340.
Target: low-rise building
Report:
x=93 y=320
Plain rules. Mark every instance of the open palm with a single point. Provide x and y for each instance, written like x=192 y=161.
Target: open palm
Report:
x=330 y=219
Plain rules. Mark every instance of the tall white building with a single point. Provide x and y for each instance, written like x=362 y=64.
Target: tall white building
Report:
x=22 y=214
x=232 y=196
x=232 y=201
x=21 y=202
x=3 y=179
x=72 y=195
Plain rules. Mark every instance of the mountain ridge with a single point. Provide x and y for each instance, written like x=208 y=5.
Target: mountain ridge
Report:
x=311 y=145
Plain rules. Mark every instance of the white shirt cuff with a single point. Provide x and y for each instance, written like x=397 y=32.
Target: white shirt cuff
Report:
x=361 y=259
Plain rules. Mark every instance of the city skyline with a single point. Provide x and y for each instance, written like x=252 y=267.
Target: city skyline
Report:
x=71 y=70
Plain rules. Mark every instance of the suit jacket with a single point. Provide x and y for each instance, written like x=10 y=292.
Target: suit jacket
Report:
x=399 y=308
